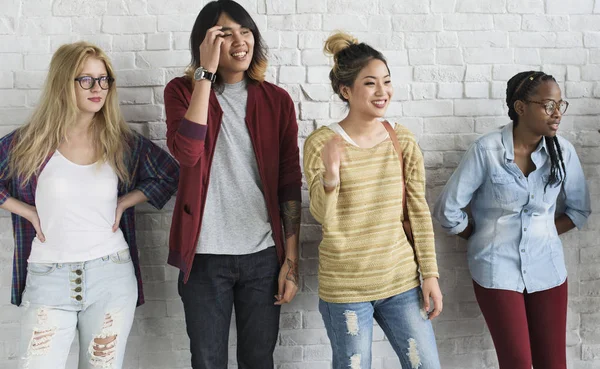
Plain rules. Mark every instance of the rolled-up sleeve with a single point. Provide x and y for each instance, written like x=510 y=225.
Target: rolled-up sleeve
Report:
x=158 y=174
x=185 y=138
x=577 y=195
x=459 y=190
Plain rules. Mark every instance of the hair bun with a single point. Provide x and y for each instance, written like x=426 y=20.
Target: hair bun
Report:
x=338 y=42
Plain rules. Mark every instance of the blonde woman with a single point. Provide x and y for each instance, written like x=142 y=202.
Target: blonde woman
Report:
x=71 y=177
x=367 y=267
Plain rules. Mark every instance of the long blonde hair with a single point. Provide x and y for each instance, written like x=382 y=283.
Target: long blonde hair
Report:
x=57 y=113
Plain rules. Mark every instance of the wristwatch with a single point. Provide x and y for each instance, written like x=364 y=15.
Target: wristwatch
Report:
x=202 y=73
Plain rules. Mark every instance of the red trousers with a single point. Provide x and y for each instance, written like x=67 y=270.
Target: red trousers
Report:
x=527 y=328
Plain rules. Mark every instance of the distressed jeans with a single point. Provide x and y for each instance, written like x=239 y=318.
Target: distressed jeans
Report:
x=402 y=319
x=97 y=298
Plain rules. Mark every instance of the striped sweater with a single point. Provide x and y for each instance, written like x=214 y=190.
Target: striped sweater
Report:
x=364 y=254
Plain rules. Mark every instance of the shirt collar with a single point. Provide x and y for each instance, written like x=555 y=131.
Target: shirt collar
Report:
x=507 y=141
x=509 y=144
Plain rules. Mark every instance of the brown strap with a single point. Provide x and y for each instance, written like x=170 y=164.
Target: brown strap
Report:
x=394 y=139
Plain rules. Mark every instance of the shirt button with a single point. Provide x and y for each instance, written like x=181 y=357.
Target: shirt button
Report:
x=78 y=272
x=78 y=281
x=78 y=289
x=526 y=210
x=78 y=297
x=520 y=177
x=524 y=272
x=532 y=196
x=524 y=229
x=522 y=250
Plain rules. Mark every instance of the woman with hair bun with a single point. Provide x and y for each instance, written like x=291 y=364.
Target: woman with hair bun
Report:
x=360 y=172
x=511 y=178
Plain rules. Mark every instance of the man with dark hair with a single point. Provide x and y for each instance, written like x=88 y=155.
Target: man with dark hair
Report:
x=236 y=221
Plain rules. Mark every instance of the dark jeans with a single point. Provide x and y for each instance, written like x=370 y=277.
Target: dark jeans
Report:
x=216 y=284
x=527 y=328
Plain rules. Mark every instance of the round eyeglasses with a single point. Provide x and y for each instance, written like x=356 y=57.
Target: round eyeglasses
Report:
x=88 y=82
x=550 y=106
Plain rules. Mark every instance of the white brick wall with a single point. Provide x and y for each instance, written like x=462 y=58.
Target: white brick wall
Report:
x=450 y=61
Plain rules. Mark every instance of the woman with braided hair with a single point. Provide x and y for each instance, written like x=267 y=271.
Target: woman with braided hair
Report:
x=512 y=178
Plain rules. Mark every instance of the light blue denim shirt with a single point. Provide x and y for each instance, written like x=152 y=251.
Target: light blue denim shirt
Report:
x=515 y=245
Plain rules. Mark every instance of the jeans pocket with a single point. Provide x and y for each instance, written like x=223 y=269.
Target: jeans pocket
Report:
x=121 y=257
x=505 y=190
x=40 y=268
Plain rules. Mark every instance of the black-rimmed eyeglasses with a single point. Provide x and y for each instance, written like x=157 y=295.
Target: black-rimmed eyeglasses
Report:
x=88 y=82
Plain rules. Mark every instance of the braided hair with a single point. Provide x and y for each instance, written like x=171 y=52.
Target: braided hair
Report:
x=521 y=87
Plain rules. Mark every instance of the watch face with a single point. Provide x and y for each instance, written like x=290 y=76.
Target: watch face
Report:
x=199 y=74
x=202 y=73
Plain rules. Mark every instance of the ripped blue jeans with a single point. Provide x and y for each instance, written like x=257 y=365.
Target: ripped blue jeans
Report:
x=402 y=319
x=95 y=298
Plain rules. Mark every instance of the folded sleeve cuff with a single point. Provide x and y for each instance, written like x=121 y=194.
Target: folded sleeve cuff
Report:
x=460 y=226
x=577 y=218
x=192 y=130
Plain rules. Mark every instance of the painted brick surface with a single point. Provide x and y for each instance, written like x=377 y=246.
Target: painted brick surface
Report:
x=450 y=60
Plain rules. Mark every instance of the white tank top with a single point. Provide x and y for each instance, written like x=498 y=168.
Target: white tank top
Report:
x=76 y=205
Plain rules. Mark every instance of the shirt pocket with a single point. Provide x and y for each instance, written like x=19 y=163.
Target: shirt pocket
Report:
x=550 y=192
x=504 y=188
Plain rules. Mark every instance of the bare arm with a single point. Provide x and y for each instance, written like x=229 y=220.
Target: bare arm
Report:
x=563 y=224
x=289 y=275
x=209 y=59
x=291 y=213
x=198 y=110
x=125 y=202
x=467 y=232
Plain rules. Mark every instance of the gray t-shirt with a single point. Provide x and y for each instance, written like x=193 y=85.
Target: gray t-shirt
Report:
x=235 y=220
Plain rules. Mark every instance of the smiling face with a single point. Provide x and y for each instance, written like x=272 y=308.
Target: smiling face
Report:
x=236 y=50
x=91 y=101
x=371 y=92
x=532 y=113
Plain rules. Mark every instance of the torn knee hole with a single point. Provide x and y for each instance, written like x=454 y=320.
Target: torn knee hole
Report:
x=355 y=361
x=351 y=322
x=41 y=340
x=41 y=334
x=103 y=346
x=108 y=321
x=413 y=354
x=102 y=350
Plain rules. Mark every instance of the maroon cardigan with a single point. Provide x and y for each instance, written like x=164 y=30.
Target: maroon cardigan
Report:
x=271 y=122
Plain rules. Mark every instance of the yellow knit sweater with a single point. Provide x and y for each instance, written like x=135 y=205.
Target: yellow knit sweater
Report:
x=364 y=254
